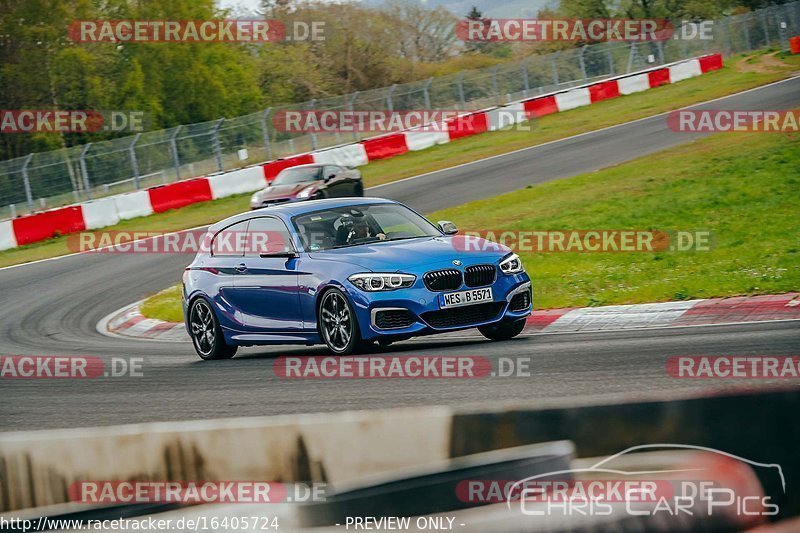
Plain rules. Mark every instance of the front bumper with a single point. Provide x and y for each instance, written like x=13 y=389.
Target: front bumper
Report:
x=424 y=314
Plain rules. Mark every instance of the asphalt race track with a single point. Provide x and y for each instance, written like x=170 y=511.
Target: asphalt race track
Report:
x=52 y=307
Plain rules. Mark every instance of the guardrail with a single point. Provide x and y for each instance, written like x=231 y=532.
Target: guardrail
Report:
x=110 y=210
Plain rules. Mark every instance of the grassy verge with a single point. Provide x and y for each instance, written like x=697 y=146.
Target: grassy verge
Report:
x=166 y=305
x=740 y=73
x=744 y=188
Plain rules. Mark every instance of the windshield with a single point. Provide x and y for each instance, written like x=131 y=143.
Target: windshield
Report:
x=297 y=175
x=362 y=224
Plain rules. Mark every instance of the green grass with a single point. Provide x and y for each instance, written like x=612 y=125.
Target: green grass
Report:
x=166 y=305
x=729 y=80
x=744 y=188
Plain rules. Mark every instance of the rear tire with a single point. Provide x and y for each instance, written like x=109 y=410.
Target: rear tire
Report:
x=206 y=334
x=503 y=330
x=359 y=190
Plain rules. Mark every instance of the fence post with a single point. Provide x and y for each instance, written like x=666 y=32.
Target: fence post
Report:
x=525 y=79
x=746 y=25
x=461 y=90
x=660 y=48
x=174 y=148
x=554 y=67
x=582 y=61
x=312 y=134
x=134 y=162
x=351 y=102
x=611 y=67
x=726 y=38
x=783 y=41
x=389 y=93
x=26 y=182
x=84 y=171
x=265 y=132
x=426 y=94
x=763 y=17
x=495 y=92
x=216 y=144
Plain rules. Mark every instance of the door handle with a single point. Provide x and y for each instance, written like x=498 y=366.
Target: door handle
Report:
x=241 y=267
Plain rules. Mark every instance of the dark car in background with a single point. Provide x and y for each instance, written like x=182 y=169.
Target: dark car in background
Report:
x=310 y=182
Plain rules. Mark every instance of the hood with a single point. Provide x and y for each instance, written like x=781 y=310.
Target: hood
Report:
x=416 y=255
x=284 y=191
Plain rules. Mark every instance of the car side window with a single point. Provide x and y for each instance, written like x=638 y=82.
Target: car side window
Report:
x=268 y=235
x=227 y=243
x=329 y=170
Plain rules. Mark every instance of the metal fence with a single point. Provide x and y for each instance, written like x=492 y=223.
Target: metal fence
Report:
x=43 y=180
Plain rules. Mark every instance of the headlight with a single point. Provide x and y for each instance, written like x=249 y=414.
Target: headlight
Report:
x=512 y=265
x=382 y=282
x=255 y=198
x=307 y=192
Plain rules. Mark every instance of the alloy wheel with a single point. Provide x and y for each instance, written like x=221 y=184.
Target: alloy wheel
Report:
x=203 y=328
x=337 y=322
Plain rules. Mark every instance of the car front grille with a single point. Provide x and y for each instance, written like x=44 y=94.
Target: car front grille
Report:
x=479 y=275
x=393 y=319
x=521 y=301
x=463 y=316
x=448 y=279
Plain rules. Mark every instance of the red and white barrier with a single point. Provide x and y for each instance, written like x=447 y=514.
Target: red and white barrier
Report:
x=385 y=146
x=273 y=168
x=420 y=140
x=539 y=107
x=48 y=224
x=133 y=205
x=7 y=238
x=179 y=194
x=505 y=116
x=240 y=181
x=685 y=70
x=573 y=98
x=109 y=211
x=658 y=77
x=100 y=213
x=351 y=155
x=633 y=84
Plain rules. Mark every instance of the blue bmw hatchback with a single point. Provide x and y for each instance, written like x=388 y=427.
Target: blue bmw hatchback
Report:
x=346 y=272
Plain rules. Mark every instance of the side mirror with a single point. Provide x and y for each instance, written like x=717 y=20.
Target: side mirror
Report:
x=447 y=227
x=329 y=178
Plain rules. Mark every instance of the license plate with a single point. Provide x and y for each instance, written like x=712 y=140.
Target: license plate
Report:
x=474 y=296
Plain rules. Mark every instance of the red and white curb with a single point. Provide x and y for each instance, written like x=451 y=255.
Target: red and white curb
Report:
x=128 y=322
x=734 y=310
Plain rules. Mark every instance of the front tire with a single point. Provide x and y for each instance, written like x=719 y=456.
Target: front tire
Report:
x=338 y=326
x=206 y=334
x=503 y=330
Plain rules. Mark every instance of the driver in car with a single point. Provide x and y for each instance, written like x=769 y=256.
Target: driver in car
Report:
x=361 y=231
